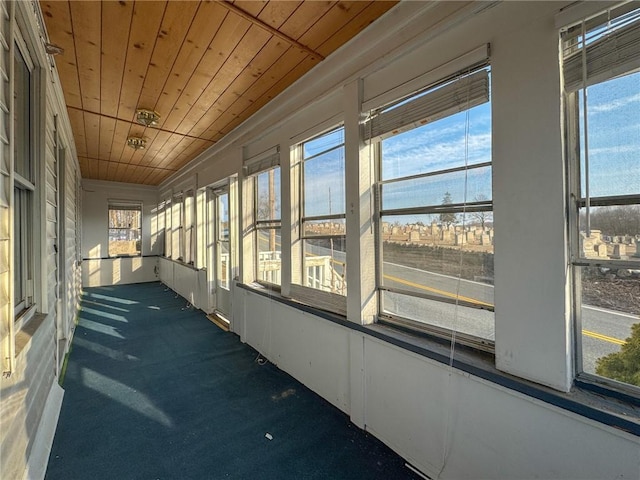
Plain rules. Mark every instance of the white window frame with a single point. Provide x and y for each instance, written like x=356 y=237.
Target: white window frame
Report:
x=115 y=205
x=584 y=67
x=326 y=300
x=412 y=112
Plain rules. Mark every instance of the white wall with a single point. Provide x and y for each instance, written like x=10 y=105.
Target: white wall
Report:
x=97 y=268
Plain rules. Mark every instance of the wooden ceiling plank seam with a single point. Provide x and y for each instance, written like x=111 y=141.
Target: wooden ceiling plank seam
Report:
x=150 y=135
x=244 y=84
x=116 y=27
x=106 y=131
x=283 y=66
x=271 y=30
x=171 y=37
x=119 y=139
x=291 y=56
x=246 y=50
x=92 y=133
x=146 y=20
x=277 y=13
x=341 y=14
x=304 y=66
x=57 y=17
x=76 y=119
x=304 y=17
x=373 y=11
x=166 y=151
x=188 y=59
x=226 y=39
x=86 y=20
x=177 y=150
x=252 y=7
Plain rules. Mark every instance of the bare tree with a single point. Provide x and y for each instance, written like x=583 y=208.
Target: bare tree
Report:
x=482 y=217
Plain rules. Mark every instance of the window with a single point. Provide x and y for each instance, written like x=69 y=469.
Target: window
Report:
x=434 y=208
x=323 y=213
x=602 y=84
x=189 y=227
x=125 y=230
x=24 y=185
x=176 y=227
x=166 y=207
x=267 y=226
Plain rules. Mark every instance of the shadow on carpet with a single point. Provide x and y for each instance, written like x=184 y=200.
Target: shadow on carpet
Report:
x=154 y=390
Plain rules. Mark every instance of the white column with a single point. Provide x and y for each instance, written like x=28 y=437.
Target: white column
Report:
x=359 y=177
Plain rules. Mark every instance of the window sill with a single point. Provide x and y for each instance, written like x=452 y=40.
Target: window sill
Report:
x=27 y=331
x=603 y=406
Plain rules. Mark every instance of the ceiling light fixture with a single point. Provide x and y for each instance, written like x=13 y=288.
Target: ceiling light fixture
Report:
x=148 y=118
x=137 y=143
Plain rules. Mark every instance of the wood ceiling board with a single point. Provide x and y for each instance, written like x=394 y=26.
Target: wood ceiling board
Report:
x=341 y=14
x=263 y=87
x=231 y=32
x=155 y=147
x=178 y=149
x=275 y=13
x=86 y=20
x=57 y=18
x=304 y=17
x=247 y=84
x=106 y=131
x=116 y=23
x=166 y=152
x=252 y=7
x=145 y=23
x=76 y=119
x=92 y=133
x=204 y=28
x=175 y=25
x=374 y=11
x=119 y=140
x=245 y=51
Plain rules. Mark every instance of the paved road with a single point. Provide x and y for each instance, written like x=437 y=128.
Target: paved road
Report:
x=604 y=331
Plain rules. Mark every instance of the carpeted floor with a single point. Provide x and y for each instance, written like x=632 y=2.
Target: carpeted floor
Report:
x=156 y=391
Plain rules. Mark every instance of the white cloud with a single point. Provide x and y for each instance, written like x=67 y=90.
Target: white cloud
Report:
x=614 y=105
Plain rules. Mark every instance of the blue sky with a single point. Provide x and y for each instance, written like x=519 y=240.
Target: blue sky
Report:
x=614 y=136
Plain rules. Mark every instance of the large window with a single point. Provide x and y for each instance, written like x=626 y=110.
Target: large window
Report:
x=435 y=229
x=267 y=226
x=602 y=82
x=24 y=185
x=189 y=227
x=323 y=213
x=125 y=229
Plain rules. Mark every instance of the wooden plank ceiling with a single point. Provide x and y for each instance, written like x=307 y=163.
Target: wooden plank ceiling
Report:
x=205 y=67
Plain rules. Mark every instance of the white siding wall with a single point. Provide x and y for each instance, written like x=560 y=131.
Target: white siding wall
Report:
x=29 y=390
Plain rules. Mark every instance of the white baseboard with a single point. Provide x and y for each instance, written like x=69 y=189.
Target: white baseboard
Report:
x=39 y=456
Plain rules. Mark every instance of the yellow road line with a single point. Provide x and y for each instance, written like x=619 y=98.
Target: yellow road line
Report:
x=606 y=338
x=588 y=333
x=435 y=290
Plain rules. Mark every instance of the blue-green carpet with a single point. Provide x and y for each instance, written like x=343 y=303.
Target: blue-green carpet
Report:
x=154 y=390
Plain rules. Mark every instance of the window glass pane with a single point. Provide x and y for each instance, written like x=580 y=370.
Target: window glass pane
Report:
x=18 y=246
x=467 y=320
x=613 y=137
x=268 y=195
x=316 y=228
x=22 y=95
x=325 y=265
x=224 y=264
x=223 y=217
x=432 y=261
x=447 y=143
x=125 y=231
x=323 y=143
x=324 y=184
x=424 y=254
x=610 y=316
x=615 y=233
x=269 y=251
x=463 y=186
